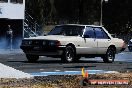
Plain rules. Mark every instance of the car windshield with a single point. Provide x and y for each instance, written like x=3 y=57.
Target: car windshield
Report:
x=67 y=30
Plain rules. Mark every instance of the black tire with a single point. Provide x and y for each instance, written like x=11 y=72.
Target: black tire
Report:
x=110 y=56
x=32 y=58
x=68 y=55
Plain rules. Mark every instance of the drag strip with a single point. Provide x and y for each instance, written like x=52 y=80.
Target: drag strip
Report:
x=9 y=72
x=48 y=66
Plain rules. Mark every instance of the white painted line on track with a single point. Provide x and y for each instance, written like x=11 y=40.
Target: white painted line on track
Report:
x=71 y=72
x=111 y=72
x=57 y=70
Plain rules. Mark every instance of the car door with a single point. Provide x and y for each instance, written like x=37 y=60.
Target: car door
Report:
x=102 y=39
x=88 y=43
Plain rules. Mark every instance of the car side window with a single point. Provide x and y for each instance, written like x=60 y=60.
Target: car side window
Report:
x=56 y=31
x=89 y=32
x=100 y=33
x=105 y=35
x=78 y=31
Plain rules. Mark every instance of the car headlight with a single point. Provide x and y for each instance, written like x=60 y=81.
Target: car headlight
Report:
x=54 y=43
x=26 y=42
x=29 y=42
x=44 y=43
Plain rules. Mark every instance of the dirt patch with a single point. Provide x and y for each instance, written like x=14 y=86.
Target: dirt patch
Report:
x=65 y=81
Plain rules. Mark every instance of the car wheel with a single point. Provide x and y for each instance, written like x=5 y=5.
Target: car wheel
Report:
x=110 y=56
x=68 y=55
x=32 y=58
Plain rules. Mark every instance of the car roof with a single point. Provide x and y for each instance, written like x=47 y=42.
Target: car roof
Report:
x=78 y=25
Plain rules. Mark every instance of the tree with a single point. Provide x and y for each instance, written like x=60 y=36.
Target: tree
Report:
x=117 y=14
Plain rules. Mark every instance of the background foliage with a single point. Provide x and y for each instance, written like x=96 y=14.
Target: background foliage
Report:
x=117 y=14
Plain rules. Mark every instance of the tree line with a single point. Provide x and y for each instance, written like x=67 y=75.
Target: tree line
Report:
x=117 y=14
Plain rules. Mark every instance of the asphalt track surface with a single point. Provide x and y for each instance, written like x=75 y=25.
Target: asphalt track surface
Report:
x=123 y=63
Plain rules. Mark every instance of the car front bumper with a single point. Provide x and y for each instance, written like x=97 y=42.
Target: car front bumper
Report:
x=43 y=50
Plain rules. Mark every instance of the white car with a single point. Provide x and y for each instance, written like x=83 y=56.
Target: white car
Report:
x=70 y=42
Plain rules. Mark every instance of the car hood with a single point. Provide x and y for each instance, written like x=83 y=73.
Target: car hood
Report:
x=49 y=37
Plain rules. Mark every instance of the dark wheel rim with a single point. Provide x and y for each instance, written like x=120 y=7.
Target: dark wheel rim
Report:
x=69 y=54
x=110 y=55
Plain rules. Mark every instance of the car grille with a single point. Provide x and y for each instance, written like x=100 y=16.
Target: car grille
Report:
x=35 y=42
